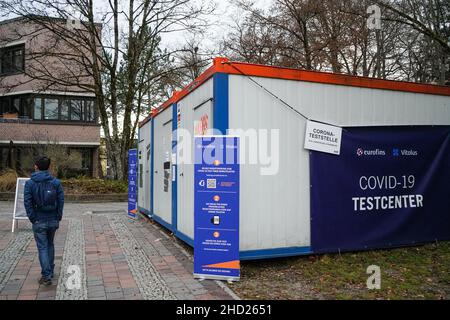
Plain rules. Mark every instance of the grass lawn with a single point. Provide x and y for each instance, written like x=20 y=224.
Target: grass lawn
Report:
x=407 y=273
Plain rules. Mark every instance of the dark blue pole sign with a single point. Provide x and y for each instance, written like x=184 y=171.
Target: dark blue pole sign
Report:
x=132 y=185
x=216 y=208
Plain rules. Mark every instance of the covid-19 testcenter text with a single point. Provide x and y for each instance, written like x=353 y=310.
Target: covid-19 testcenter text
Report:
x=387 y=202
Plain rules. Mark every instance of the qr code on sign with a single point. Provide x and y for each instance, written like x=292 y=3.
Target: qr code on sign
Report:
x=210 y=183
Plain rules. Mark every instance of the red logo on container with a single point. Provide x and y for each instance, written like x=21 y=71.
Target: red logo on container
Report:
x=202 y=126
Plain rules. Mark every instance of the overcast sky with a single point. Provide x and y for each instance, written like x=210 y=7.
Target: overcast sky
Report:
x=221 y=20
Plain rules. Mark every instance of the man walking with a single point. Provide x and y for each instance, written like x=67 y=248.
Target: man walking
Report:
x=44 y=203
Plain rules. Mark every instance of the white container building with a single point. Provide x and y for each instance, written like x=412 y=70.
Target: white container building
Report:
x=274 y=209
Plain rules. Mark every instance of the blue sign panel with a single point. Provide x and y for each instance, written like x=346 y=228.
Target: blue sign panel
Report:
x=132 y=182
x=389 y=187
x=216 y=208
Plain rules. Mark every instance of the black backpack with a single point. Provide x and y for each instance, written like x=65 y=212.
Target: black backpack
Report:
x=46 y=196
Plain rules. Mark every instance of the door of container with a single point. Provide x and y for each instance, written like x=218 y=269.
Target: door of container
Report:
x=141 y=191
x=144 y=168
x=147 y=191
x=162 y=175
x=199 y=121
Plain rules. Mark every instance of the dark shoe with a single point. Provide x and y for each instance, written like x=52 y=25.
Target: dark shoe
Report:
x=45 y=282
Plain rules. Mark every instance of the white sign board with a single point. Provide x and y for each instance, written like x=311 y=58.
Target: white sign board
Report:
x=323 y=137
x=19 y=207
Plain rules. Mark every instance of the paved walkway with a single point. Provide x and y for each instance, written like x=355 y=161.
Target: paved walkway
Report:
x=100 y=254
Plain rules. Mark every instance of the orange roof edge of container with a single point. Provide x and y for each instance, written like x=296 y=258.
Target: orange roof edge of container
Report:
x=258 y=70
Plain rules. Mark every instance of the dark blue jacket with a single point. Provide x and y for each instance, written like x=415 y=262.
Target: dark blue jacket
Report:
x=31 y=189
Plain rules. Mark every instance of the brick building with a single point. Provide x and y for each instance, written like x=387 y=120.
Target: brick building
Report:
x=34 y=110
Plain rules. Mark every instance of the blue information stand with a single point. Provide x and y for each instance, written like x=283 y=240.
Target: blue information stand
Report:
x=132 y=184
x=216 y=208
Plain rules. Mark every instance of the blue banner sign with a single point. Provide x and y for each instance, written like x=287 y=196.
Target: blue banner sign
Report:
x=216 y=208
x=389 y=187
x=132 y=182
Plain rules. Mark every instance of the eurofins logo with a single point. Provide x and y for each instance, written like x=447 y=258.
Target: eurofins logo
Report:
x=377 y=152
x=359 y=152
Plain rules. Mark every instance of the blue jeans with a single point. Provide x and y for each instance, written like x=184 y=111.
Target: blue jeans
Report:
x=44 y=233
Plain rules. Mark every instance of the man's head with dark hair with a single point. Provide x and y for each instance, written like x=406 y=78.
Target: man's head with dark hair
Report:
x=42 y=163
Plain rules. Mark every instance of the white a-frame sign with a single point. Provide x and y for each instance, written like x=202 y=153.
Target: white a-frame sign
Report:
x=19 y=207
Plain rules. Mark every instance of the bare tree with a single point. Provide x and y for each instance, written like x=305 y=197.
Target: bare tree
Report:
x=282 y=35
x=126 y=40
x=193 y=58
x=251 y=40
x=430 y=19
x=332 y=35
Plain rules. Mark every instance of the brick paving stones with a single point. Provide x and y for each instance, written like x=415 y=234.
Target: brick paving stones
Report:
x=119 y=259
x=151 y=284
x=9 y=258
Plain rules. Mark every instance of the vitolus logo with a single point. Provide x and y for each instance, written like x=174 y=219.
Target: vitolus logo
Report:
x=377 y=152
x=396 y=152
